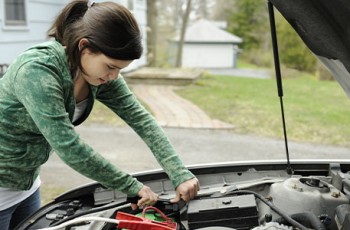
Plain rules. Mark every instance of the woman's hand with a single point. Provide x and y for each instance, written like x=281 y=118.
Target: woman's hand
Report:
x=148 y=198
x=187 y=190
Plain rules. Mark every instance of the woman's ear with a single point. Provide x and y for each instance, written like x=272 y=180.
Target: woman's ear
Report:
x=82 y=43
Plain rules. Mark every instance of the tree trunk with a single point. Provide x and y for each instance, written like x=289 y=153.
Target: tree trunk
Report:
x=182 y=35
x=151 y=33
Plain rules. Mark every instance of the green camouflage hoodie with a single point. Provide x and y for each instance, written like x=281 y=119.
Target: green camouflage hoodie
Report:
x=36 y=108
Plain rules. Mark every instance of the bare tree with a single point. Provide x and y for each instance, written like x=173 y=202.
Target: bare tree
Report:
x=202 y=9
x=178 y=11
x=223 y=9
x=182 y=34
x=151 y=33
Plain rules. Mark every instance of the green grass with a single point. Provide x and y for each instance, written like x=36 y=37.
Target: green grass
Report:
x=315 y=111
x=245 y=65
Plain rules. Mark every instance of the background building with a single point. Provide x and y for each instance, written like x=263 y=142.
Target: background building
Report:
x=24 y=23
x=206 y=46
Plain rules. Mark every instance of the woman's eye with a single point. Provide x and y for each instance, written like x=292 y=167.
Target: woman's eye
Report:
x=110 y=67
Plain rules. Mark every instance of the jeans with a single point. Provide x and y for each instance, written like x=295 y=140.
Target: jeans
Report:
x=11 y=217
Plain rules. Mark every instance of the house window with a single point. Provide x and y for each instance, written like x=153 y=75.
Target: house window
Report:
x=15 y=13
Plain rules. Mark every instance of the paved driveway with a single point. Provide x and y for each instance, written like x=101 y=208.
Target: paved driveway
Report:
x=125 y=149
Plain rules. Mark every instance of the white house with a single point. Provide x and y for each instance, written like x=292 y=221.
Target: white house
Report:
x=24 y=23
x=207 y=46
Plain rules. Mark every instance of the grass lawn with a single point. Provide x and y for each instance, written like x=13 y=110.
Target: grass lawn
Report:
x=315 y=111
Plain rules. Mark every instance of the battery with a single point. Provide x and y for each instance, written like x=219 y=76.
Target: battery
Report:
x=238 y=212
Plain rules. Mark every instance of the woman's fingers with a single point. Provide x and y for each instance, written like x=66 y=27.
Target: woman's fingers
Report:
x=148 y=197
x=187 y=190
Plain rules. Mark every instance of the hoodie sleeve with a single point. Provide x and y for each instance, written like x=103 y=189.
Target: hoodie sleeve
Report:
x=39 y=88
x=117 y=96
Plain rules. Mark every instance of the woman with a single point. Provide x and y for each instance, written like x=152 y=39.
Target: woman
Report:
x=51 y=87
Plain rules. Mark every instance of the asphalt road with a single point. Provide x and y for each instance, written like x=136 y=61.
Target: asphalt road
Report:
x=195 y=146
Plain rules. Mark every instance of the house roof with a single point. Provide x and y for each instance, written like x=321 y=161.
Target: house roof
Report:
x=204 y=31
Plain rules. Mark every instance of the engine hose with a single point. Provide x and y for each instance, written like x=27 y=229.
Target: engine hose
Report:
x=94 y=210
x=307 y=218
x=273 y=207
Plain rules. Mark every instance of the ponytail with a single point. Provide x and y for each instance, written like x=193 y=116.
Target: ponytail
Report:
x=73 y=12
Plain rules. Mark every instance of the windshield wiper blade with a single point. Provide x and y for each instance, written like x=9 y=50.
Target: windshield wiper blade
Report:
x=278 y=78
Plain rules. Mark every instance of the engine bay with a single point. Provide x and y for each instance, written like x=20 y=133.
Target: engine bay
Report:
x=240 y=196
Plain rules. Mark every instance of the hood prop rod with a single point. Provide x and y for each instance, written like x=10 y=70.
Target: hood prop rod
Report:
x=278 y=78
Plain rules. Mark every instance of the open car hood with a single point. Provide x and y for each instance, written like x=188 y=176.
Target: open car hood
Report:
x=324 y=27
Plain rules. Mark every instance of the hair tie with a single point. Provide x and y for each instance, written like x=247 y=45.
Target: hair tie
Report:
x=90 y=4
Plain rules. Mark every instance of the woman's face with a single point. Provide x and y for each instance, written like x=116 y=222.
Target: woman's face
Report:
x=99 y=69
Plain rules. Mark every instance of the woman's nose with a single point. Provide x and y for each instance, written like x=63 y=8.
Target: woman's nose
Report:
x=113 y=75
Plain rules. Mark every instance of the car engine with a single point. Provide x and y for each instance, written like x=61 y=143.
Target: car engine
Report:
x=239 y=197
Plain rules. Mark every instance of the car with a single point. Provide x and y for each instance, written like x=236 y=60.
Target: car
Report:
x=275 y=194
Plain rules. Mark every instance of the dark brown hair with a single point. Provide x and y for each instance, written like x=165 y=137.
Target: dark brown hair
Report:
x=109 y=27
